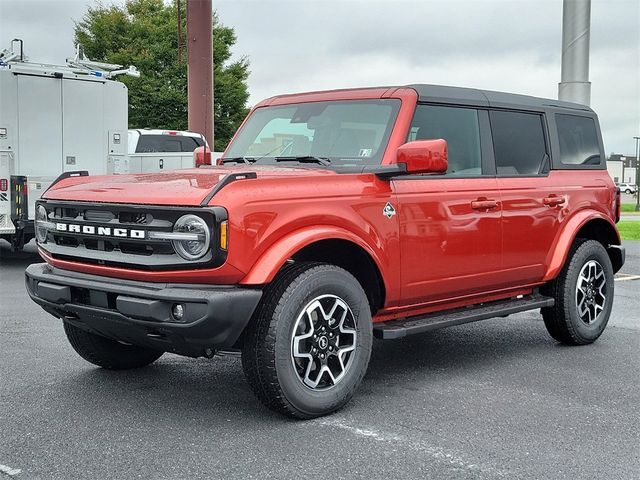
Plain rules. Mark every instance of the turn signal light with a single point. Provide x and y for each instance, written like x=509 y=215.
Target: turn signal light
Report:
x=224 y=227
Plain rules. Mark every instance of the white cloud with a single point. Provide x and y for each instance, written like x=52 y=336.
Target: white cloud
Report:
x=46 y=26
x=319 y=44
x=492 y=44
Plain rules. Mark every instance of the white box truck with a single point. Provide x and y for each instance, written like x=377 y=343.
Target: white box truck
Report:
x=54 y=119
x=57 y=119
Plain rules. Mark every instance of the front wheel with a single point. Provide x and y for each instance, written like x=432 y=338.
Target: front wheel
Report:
x=308 y=346
x=583 y=295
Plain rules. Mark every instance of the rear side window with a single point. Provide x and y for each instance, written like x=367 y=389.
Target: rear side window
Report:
x=518 y=143
x=578 y=140
x=167 y=143
x=459 y=127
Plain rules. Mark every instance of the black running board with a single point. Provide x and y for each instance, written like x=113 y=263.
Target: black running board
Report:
x=434 y=321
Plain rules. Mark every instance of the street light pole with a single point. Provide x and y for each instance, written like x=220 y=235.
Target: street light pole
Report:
x=574 y=84
x=637 y=139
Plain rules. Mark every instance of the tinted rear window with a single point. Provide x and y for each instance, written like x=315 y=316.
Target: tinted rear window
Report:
x=578 y=140
x=167 y=143
x=518 y=142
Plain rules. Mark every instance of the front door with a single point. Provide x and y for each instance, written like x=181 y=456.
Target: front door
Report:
x=450 y=225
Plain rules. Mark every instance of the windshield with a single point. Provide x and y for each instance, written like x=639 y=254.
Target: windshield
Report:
x=337 y=132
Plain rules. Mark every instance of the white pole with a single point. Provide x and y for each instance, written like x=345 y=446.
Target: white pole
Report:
x=576 y=20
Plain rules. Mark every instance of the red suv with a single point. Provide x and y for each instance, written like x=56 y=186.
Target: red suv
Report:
x=334 y=217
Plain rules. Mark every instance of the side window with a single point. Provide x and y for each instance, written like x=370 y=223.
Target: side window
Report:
x=189 y=144
x=518 y=143
x=165 y=143
x=459 y=127
x=578 y=140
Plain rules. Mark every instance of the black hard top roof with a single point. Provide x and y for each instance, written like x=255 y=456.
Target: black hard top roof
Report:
x=488 y=98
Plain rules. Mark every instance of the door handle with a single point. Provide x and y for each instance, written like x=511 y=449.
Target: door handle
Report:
x=553 y=200
x=483 y=204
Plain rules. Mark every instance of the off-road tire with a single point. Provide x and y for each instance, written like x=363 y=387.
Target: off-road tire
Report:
x=267 y=351
x=563 y=321
x=107 y=353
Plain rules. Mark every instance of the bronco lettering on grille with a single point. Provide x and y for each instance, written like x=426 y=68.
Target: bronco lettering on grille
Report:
x=101 y=231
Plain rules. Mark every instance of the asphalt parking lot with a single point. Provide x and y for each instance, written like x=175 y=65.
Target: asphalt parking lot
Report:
x=495 y=399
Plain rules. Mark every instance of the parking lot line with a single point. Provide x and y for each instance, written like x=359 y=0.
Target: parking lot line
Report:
x=623 y=277
x=417 y=445
x=9 y=471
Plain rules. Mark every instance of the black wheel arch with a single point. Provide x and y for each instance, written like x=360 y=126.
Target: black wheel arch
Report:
x=352 y=258
x=603 y=232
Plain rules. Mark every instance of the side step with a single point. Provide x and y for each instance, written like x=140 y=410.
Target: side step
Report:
x=434 y=321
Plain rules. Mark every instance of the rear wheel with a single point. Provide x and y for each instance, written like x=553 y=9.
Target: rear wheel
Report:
x=108 y=353
x=583 y=294
x=308 y=346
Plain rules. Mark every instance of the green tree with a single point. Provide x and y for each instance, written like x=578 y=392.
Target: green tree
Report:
x=144 y=33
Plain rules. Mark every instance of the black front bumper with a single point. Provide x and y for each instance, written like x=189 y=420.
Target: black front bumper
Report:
x=140 y=313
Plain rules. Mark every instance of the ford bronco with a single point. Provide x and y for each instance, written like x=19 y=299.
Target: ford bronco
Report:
x=333 y=218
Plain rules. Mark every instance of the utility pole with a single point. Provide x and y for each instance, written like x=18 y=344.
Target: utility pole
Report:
x=179 y=12
x=200 y=67
x=637 y=139
x=576 y=24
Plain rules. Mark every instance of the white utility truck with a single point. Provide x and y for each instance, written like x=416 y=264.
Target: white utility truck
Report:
x=58 y=119
x=54 y=119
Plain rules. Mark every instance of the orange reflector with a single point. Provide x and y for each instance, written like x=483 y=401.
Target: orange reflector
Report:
x=223 y=234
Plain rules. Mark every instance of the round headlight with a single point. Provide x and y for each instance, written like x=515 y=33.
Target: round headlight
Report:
x=196 y=236
x=41 y=224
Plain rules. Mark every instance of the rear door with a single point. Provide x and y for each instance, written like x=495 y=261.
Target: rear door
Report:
x=532 y=203
x=450 y=225
x=83 y=132
x=39 y=126
x=39 y=155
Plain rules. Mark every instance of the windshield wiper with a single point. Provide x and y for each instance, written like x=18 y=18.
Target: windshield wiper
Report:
x=238 y=160
x=305 y=159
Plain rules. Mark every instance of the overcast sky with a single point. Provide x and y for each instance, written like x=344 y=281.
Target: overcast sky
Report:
x=509 y=45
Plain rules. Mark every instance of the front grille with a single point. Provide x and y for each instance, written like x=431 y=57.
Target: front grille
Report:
x=118 y=235
x=98 y=215
x=139 y=218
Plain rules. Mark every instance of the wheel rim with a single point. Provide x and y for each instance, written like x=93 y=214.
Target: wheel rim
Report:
x=323 y=342
x=591 y=292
